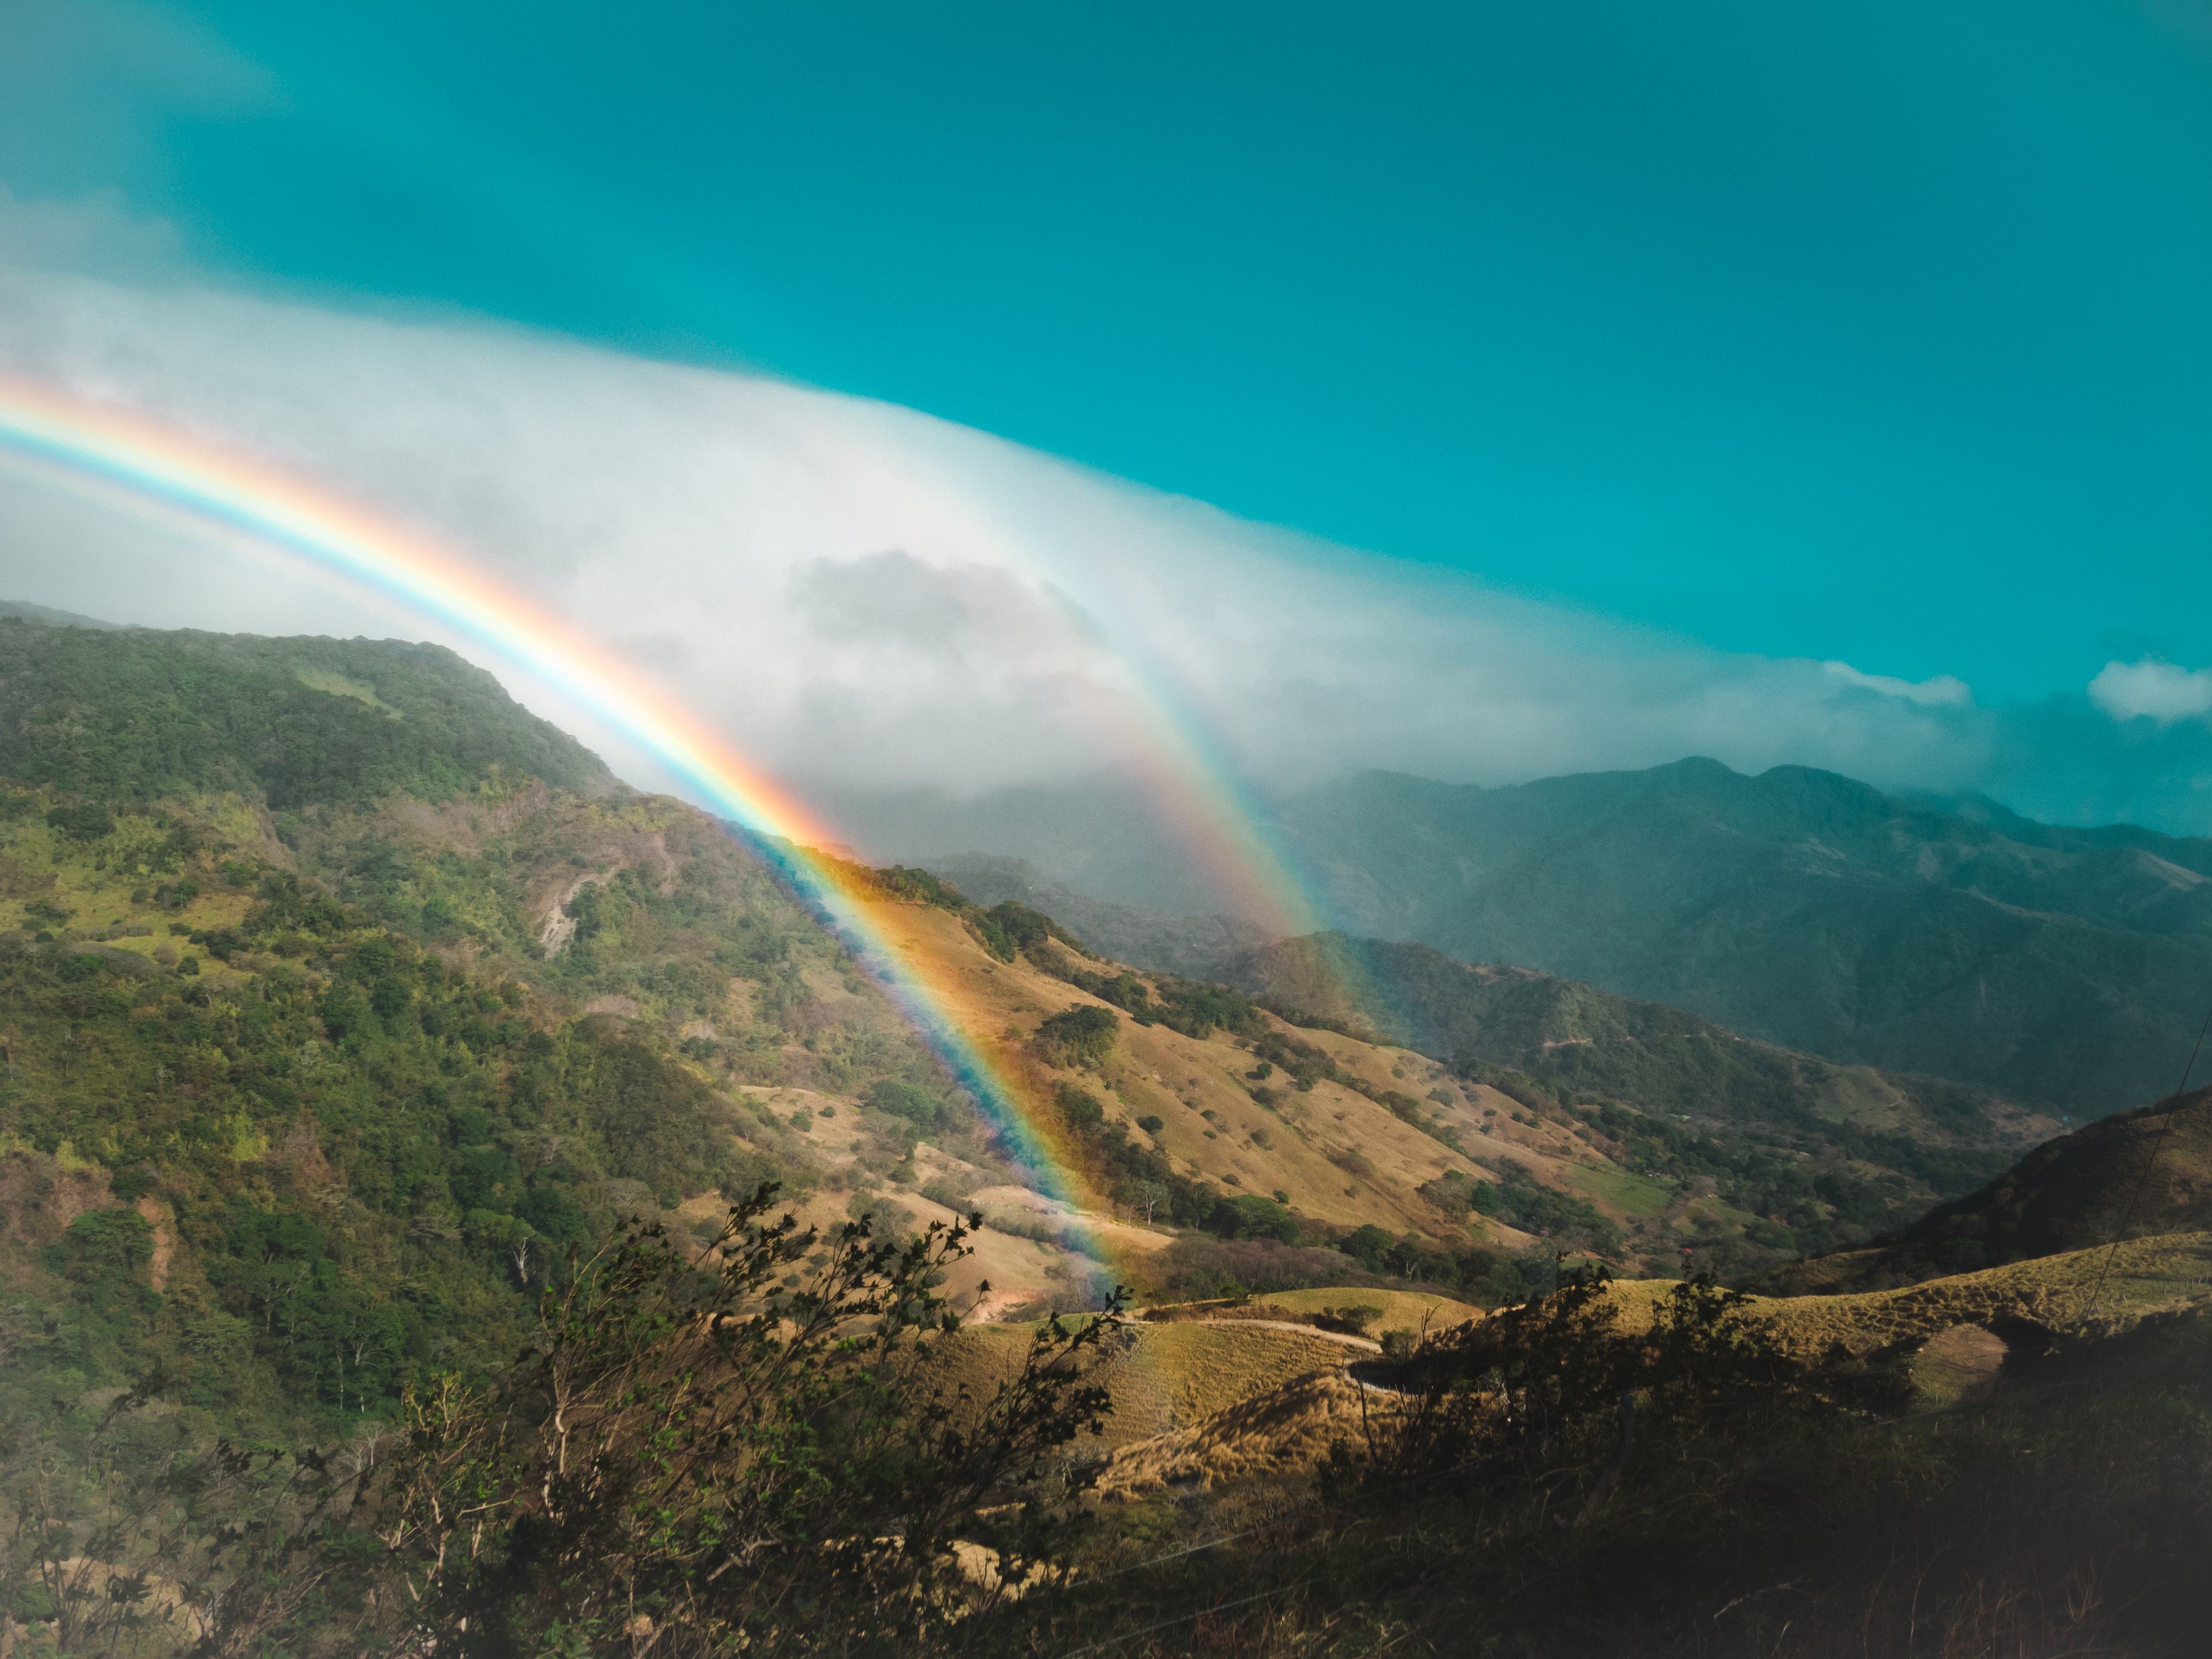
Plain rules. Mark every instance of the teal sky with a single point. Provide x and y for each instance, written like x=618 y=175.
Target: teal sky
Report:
x=1878 y=332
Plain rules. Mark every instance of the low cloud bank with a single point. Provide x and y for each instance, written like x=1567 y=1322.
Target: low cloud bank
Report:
x=869 y=599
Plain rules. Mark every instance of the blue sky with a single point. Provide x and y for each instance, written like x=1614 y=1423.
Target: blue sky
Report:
x=1876 y=331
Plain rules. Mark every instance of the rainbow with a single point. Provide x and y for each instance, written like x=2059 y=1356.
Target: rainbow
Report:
x=151 y=465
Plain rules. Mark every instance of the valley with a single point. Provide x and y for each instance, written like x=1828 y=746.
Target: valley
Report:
x=350 y=1015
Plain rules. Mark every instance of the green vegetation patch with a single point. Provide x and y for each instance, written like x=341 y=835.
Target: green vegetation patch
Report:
x=135 y=715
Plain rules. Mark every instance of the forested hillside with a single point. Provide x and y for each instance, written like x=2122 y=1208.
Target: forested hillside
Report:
x=129 y=715
x=339 y=998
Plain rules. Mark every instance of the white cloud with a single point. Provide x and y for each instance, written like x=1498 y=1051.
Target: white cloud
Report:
x=862 y=596
x=1938 y=692
x=2152 y=689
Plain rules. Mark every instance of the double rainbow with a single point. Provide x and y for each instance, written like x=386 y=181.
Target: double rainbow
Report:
x=155 y=466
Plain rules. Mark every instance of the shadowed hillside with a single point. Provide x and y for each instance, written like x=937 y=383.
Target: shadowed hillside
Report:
x=2131 y=1175
x=1575 y=1038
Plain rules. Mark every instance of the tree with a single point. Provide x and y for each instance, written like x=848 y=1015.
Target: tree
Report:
x=1557 y=1392
x=511 y=1236
x=695 y=1458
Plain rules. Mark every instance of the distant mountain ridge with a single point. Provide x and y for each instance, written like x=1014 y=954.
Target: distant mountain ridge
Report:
x=1454 y=842
x=2064 y=967
x=46 y=616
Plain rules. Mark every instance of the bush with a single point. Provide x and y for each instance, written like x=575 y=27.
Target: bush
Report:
x=947 y=1196
x=102 y=1243
x=89 y=821
x=129 y=1183
x=1584 y=1390
x=903 y=1100
x=1010 y=928
x=1196 y=1267
x=1079 y=1108
x=1518 y=1200
x=1078 y=1036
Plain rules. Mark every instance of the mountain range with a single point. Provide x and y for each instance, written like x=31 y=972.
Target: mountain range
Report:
x=2066 y=969
x=346 y=1009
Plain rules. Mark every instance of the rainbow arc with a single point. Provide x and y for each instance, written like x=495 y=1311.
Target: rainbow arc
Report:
x=152 y=464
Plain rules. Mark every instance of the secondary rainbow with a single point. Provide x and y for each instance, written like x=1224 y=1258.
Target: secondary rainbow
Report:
x=153 y=465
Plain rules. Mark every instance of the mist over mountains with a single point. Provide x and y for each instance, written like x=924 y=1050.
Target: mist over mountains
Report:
x=879 y=606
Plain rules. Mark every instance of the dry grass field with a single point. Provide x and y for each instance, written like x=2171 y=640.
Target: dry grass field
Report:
x=1162 y=1377
x=1336 y=1155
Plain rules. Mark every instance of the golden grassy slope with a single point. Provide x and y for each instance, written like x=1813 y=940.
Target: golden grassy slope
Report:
x=1944 y=1325
x=1336 y=1155
x=1289 y=1431
x=2149 y=1276
x=2061 y=1293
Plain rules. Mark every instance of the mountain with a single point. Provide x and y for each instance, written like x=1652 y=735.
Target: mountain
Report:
x=1708 y=1104
x=342 y=995
x=341 y=999
x=129 y=715
x=325 y=958
x=24 y=610
x=2133 y=1175
x=1798 y=1149
x=2065 y=968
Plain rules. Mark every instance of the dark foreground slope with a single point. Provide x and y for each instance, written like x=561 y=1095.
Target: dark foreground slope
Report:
x=2063 y=1511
